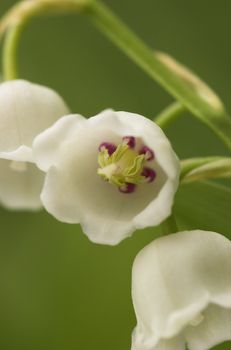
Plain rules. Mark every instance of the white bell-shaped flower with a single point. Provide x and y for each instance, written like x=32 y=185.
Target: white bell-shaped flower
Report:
x=181 y=289
x=26 y=109
x=112 y=173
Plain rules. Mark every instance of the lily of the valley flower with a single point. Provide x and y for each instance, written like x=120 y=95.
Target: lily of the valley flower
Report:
x=112 y=173
x=182 y=292
x=26 y=109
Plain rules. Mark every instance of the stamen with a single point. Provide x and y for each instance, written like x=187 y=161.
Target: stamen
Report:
x=127 y=188
x=149 y=174
x=124 y=166
x=130 y=141
x=110 y=147
x=149 y=154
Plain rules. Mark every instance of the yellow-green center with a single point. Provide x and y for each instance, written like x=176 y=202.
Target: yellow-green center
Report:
x=123 y=166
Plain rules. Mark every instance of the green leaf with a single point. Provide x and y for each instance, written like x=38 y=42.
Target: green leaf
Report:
x=204 y=205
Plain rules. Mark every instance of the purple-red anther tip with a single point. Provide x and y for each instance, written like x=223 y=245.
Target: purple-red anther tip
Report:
x=127 y=188
x=149 y=174
x=109 y=146
x=149 y=154
x=130 y=141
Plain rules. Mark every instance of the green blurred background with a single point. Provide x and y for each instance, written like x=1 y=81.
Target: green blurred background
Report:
x=58 y=290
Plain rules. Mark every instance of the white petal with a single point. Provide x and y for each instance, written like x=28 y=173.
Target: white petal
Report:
x=214 y=329
x=149 y=343
x=73 y=191
x=176 y=277
x=124 y=123
x=20 y=185
x=46 y=146
x=22 y=153
x=26 y=109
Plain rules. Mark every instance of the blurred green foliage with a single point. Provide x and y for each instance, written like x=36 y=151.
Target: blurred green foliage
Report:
x=58 y=290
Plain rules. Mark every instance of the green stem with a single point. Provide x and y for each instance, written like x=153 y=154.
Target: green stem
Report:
x=198 y=99
x=169 y=114
x=187 y=165
x=18 y=17
x=130 y=44
x=209 y=110
x=10 y=50
x=197 y=169
x=169 y=225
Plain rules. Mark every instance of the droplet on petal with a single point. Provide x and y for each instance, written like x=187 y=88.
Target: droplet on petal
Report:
x=149 y=174
x=110 y=147
x=130 y=141
x=149 y=154
x=127 y=188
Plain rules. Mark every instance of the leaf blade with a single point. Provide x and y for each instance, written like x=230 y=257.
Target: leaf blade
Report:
x=204 y=205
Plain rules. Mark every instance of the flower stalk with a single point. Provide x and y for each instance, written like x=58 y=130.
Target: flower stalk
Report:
x=196 y=169
x=188 y=90
x=16 y=20
x=10 y=62
x=170 y=114
x=169 y=225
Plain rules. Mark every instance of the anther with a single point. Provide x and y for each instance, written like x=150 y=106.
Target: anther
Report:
x=110 y=147
x=127 y=188
x=149 y=174
x=149 y=154
x=130 y=141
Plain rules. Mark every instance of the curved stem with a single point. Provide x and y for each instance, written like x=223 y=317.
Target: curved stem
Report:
x=24 y=10
x=169 y=114
x=201 y=102
x=208 y=109
x=18 y=17
x=10 y=50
